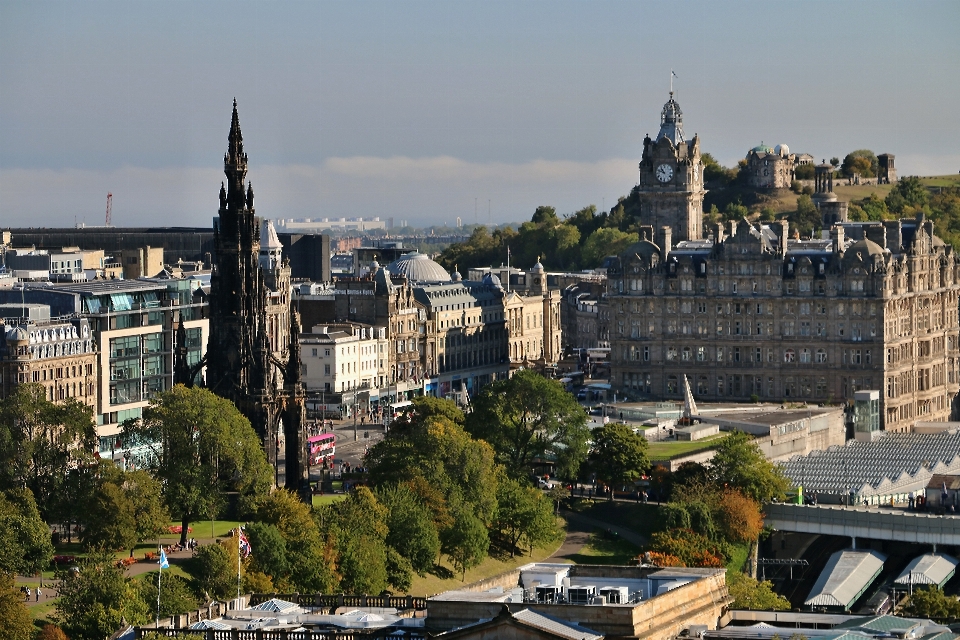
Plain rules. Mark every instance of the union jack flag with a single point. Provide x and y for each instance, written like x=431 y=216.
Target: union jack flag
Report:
x=244 y=544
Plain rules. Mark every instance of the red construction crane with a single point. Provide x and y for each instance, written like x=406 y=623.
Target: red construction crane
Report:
x=109 y=207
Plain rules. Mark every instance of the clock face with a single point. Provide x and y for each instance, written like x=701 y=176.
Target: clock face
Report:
x=664 y=173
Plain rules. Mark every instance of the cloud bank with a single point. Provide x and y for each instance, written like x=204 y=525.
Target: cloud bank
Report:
x=422 y=191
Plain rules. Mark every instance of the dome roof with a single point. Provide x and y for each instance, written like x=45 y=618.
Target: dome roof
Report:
x=782 y=150
x=268 y=237
x=671 y=122
x=537 y=268
x=492 y=280
x=864 y=248
x=762 y=148
x=455 y=276
x=416 y=267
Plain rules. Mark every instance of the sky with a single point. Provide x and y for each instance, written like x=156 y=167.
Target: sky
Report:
x=426 y=111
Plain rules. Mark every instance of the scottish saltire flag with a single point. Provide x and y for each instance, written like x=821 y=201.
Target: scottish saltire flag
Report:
x=163 y=560
x=245 y=548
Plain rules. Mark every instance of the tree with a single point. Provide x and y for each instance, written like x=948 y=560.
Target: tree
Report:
x=145 y=494
x=715 y=173
x=399 y=570
x=907 y=196
x=605 y=242
x=466 y=543
x=110 y=522
x=805 y=172
x=931 y=602
x=309 y=551
x=528 y=417
x=358 y=526
x=807 y=217
x=739 y=517
x=861 y=162
x=17 y=621
x=271 y=557
x=175 y=594
x=523 y=514
x=618 y=456
x=437 y=456
x=738 y=463
x=96 y=597
x=202 y=446
x=25 y=546
x=215 y=569
x=51 y=632
x=754 y=594
x=835 y=162
x=41 y=441
x=411 y=530
x=691 y=548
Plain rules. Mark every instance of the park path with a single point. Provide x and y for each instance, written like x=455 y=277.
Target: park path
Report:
x=579 y=528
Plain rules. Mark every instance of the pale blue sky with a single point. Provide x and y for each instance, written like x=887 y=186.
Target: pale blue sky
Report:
x=417 y=110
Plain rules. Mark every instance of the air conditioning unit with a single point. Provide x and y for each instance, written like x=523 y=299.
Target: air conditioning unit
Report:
x=598 y=600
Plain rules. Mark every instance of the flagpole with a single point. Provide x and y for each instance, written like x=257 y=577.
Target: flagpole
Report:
x=239 y=533
x=159 y=573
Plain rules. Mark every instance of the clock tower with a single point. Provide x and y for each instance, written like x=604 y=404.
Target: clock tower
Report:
x=671 y=178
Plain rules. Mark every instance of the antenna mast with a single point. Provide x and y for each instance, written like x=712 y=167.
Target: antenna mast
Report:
x=109 y=209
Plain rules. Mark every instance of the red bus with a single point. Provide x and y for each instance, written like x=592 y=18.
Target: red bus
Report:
x=321 y=448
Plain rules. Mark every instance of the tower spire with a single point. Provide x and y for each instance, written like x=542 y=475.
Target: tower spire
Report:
x=235 y=139
x=235 y=164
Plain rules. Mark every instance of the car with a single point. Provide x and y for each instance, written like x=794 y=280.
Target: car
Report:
x=582 y=395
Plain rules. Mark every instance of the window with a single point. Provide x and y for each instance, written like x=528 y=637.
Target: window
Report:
x=671 y=353
x=805 y=356
x=789 y=355
x=821 y=356
x=701 y=354
x=326 y=369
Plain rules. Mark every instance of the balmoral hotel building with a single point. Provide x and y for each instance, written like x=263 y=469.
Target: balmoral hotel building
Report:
x=750 y=313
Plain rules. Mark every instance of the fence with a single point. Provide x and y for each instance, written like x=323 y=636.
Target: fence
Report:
x=341 y=600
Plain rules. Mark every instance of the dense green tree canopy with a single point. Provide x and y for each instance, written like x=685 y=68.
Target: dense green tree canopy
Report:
x=433 y=452
x=931 y=602
x=25 y=546
x=94 y=598
x=618 y=455
x=861 y=162
x=605 y=242
x=527 y=418
x=525 y=515
x=739 y=464
x=17 y=623
x=201 y=447
x=753 y=594
x=412 y=531
x=310 y=554
x=41 y=441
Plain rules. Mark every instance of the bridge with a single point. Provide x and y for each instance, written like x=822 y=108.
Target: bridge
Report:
x=865 y=522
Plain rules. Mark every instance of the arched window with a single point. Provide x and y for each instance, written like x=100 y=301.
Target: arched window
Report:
x=805 y=356
x=789 y=355
x=821 y=356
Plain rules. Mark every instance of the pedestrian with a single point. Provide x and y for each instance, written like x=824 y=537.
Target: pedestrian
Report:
x=29 y=593
x=38 y=594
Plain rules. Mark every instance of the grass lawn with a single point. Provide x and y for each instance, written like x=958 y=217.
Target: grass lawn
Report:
x=602 y=548
x=432 y=584
x=43 y=613
x=738 y=559
x=673 y=449
x=328 y=498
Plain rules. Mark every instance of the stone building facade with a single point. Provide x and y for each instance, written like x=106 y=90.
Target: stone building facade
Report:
x=748 y=313
x=770 y=168
x=58 y=354
x=755 y=314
